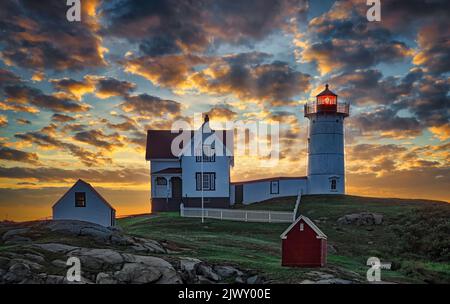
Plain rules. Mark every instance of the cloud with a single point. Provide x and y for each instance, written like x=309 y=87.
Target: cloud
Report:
x=3 y=121
x=248 y=76
x=48 y=141
x=62 y=118
x=221 y=113
x=38 y=37
x=434 y=47
x=150 y=106
x=23 y=95
x=8 y=77
x=342 y=39
x=174 y=26
x=18 y=156
x=98 y=139
x=386 y=123
x=46 y=174
x=22 y=121
x=102 y=87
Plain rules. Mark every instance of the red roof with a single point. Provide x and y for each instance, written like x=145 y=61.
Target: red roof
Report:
x=91 y=188
x=269 y=179
x=326 y=92
x=169 y=171
x=159 y=143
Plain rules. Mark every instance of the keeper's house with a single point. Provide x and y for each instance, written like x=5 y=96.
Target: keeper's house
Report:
x=83 y=203
x=181 y=175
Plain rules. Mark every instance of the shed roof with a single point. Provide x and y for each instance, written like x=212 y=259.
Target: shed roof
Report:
x=308 y=222
x=169 y=171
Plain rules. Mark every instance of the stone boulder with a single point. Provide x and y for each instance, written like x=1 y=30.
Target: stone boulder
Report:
x=14 y=233
x=137 y=273
x=227 y=271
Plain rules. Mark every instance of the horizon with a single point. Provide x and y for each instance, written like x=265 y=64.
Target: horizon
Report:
x=76 y=100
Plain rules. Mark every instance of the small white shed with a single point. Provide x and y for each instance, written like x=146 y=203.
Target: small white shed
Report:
x=82 y=202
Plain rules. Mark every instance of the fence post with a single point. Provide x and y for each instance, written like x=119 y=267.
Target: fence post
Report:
x=182 y=210
x=221 y=214
x=270 y=217
x=246 y=218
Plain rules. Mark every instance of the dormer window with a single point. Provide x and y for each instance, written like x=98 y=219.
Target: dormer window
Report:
x=209 y=154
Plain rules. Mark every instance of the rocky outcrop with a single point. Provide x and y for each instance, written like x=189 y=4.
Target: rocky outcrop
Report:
x=114 y=258
x=363 y=218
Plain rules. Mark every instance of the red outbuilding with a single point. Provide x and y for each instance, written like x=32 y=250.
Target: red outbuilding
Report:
x=304 y=244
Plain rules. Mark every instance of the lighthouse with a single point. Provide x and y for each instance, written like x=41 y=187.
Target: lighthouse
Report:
x=326 y=161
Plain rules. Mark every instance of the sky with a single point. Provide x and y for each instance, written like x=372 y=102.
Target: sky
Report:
x=76 y=98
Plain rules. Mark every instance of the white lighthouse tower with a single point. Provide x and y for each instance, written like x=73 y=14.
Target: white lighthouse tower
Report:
x=326 y=166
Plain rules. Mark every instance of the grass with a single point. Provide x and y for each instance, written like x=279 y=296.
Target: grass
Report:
x=256 y=246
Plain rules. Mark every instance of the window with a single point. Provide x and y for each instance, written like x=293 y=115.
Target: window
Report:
x=274 y=187
x=209 y=181
x=333 y=184
x=302 y=227
x=209 y=154
x=80 y=199
x=161 y=181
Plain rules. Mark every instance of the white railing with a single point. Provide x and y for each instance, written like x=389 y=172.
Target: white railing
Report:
x=297 y=203
x=239 y=215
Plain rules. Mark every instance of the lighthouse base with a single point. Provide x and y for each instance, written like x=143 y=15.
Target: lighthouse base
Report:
x=326 y=184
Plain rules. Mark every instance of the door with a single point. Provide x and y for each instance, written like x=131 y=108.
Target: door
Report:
x=176 y=187
x=238 y=194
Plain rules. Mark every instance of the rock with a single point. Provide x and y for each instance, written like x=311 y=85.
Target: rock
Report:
x=334 y=281
x=99 y=233
x=98 y=259
x=363 y=218
x=319 y=275
x=59 y=264
x=188 y=267
x=307 y=282
x=227 y=271
x=154 y=246
x=32 y=265
x=35 y=257
x=116 y=229
x=55 y=247
x=203 y=280
x=4 y=262
x=189 y=264
x=206 y=271
x=239 y=280
x=14 y=233
x=80 y=228
x=254 y=280
x=121 y=240
x=105 y=278
x=17 y=239
x=169 y=274
x=54 y=279
x=137 y=273
x=331 y=249
x=17 y=273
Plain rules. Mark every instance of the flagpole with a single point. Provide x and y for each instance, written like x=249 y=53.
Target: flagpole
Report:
x=201 y=164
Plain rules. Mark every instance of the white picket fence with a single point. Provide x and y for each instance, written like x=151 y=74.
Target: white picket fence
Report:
x=242 y=214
